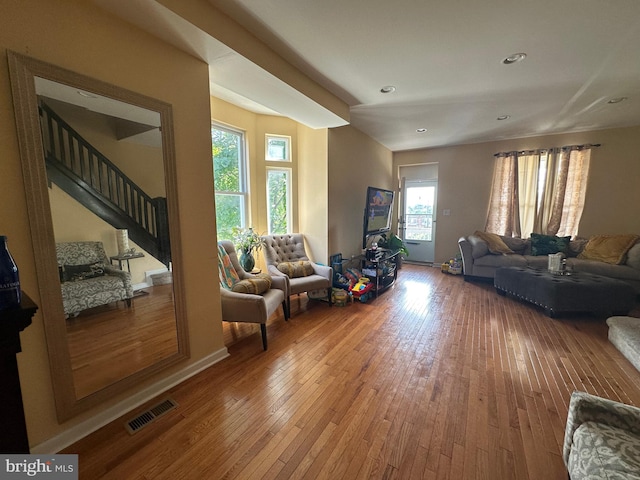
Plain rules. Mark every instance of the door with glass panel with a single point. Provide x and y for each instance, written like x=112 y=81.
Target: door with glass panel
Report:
x=418 y=223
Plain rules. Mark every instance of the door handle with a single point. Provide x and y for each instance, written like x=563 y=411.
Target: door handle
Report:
x=412 y=243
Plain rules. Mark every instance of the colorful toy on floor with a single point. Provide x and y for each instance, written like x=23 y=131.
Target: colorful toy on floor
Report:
x=361 y=290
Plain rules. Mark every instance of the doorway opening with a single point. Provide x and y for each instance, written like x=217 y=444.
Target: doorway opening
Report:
x=418 y=219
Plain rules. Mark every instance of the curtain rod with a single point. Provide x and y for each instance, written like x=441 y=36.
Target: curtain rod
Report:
x=541 y=150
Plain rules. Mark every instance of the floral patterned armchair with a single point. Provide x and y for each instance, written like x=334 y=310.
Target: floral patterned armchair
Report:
x=87 y=278
x=602 y=439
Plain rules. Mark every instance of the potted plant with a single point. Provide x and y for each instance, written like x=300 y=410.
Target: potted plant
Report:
x=394 y=242
x=247 y=242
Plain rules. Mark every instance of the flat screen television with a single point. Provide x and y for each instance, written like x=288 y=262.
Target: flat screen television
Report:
x=377 y=212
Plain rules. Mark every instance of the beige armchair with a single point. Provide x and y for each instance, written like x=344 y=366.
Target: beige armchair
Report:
x=249 y=307
x=285 y=256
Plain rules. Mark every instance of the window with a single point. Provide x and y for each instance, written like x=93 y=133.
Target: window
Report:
x=278 y=200
x=277 y=148
x=540 y=191
x=229 y=178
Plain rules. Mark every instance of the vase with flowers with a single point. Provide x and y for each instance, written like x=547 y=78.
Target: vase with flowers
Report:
x=247 y=242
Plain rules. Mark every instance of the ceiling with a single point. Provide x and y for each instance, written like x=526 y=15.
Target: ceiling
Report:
x=444 y=58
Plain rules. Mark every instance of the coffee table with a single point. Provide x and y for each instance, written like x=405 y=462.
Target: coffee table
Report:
x=560 y=294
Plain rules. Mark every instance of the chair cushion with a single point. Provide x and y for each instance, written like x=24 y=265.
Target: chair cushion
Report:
x=602 y=451
x=228 y=275
x=302 y=268
x=260 y=283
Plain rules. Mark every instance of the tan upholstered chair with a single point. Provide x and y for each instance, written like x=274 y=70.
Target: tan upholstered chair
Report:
x=279 y=249
x=249 y=307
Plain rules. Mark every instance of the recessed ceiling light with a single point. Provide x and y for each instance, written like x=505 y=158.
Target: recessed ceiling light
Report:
x=388 y=89
x=503 y=117
x=514 y=58
x=421 y=130
x=617 y=100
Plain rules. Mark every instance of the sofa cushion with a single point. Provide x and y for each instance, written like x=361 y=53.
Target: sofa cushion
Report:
x=302 y=268
x=495 y=244
x=633 y=256
x=517 y=245
x=602 y=451
x=548 y=244
x=497 y=261
x=609 y=248
x=479 y=247
x=576 y=246
x=257 y=284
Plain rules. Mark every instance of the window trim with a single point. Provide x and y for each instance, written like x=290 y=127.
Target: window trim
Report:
x=243 y=167
x=289 y=172
x=287 y=138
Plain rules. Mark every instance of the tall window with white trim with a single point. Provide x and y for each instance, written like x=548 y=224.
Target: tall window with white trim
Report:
x=230 y=179
x=279 y=200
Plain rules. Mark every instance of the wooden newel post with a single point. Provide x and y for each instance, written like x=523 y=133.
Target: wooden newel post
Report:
x=13 y=434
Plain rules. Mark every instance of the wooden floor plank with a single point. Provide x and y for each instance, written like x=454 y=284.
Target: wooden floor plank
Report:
x=436 y=378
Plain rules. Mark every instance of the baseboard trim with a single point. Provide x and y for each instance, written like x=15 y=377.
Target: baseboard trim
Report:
x=77 y=432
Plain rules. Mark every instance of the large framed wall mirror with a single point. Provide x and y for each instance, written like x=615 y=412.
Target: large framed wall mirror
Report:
x=98 y=164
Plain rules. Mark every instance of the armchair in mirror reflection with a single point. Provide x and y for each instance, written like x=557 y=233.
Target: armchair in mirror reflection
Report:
x=9 y=278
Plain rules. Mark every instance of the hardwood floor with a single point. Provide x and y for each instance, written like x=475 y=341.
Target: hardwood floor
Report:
x=110 y=342
x=437 y=378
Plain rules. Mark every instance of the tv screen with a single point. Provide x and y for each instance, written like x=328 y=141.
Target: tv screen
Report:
x=378 y=211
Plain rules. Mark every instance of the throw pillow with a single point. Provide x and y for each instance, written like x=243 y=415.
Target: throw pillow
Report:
x=548 y=244
x=495 y=244
x=633 y=256
x=517 y=245
x=228 y=275
x=82 y=272
x=576 y=246
x=609 y=248
x=258 y=284
x=301 y=268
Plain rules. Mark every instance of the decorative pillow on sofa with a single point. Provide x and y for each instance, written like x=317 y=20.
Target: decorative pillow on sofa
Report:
x=517 y=245
x=576 y=246
x=495 y=244
x=301 y=268
x=609 y=248
x=228 y=275
x=258 y=284
x=548 y=244
x=81 y=272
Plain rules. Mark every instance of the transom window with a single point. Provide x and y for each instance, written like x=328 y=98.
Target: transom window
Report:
x=277 y=148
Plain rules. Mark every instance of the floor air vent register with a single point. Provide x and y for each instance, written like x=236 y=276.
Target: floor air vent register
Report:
x=147 y=417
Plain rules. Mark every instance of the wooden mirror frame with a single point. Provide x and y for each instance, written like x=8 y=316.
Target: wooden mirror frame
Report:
x=22 y=71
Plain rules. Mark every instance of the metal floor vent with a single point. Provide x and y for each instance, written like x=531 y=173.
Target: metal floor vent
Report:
x=145 y=418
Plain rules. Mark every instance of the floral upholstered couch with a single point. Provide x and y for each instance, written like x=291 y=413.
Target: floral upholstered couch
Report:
x=87 y=279
x=613 y=256
x=602 y=439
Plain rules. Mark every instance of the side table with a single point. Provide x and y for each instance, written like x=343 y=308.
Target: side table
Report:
x=13 y=435
x=125 y=258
